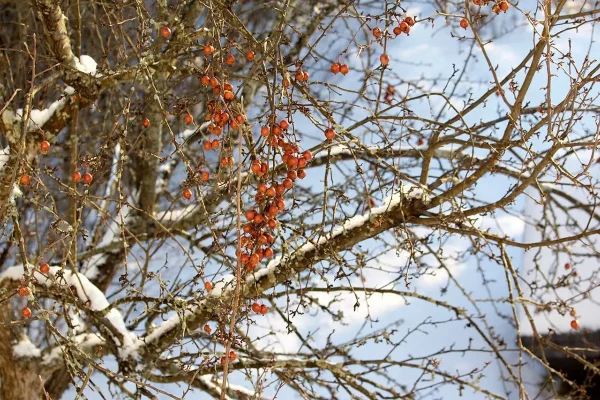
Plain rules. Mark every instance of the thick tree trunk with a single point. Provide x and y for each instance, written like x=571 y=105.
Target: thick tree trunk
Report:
x=19 y=379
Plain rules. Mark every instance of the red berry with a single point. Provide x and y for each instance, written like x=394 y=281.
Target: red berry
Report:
x=24 y=291
x=307 y=155
x=263 y=309
x=208 y=49
x=503 y=6
x=26 y=312
x=329 y=133
x=145 y=122
x=165 y=32
x=208 y=286
x=269 y=251
x=335 y=68
x=575 y=324
x=44 y=268
x=404 y=28
x=301 y=174
x=397 y=31
x=284 y=124
x=232 y=355
x=76 y=176
x=344 y=69
x=250 y=214
x=256 y=307
x=25 y=180
x=230 y=59
x=187 y=194
x=87 y=178
x=567 y=266
x=189 y=118
x=409 y=20
x=377 y=33
x=464 y=23
x=45 y=146
x=250 y=55
x=384 y=59
x=207 y=329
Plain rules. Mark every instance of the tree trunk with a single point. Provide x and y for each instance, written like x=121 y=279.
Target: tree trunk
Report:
x=19 y=378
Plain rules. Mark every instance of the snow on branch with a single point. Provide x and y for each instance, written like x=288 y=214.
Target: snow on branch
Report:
x=88 y=294
x=38 y=118
x=278 y=270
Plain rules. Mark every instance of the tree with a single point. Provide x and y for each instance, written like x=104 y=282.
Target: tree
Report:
x=199 y=196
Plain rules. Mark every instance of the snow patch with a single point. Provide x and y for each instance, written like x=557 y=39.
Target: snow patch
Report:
x=4 y=155
x=87 y=65
x=25 y=349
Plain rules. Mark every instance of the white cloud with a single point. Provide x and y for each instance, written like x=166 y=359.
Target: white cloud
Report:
x=508 y=225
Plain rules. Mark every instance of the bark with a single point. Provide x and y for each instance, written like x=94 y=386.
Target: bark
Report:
x=19 y=379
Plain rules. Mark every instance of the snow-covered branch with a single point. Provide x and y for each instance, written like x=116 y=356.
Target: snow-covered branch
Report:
x=91 y=299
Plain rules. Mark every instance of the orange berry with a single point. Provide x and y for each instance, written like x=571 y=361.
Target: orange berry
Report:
x=87 y=178
x=230 y=59
x=503 y=6
x=284 y=124
x=464 y=23
x=384 y=59
x=44 y=268
x=24 y=291
x=307 y=155
x=208 y=49
x=205 y=80
x=208 y=286
x=45 y=146
x=26 y=312
x=187 y=194
x=285 y=82
x=76 y=176
x=264 y=131
x=215 y=144
x=263 y=309
x=207 y=145
x=409 y=21
x=250 y=55
x=573 y=312
x=344 y=69
x=232 y=355
x=404 y=28
x=165 y=32
x=377 y=33
x=329 y=133
x=575 y=324
x=145 y=122
x=188 y=119
x=250 y=214
x=256 y=307
x=207 y=329
x=301 y=174
x=335 y=68
x=205 y=176
x=269 y=251
x=397 y=31
x=25 y=180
